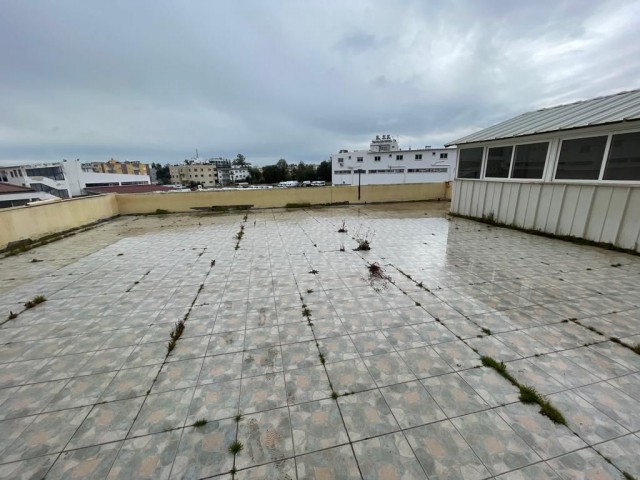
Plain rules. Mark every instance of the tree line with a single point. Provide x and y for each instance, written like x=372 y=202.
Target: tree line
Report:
x=281 y=171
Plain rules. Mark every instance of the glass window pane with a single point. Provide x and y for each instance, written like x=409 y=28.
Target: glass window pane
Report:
x=580 y=159
x=624 y=157
x=529 y=160
x=470 y=162
x=498 y=162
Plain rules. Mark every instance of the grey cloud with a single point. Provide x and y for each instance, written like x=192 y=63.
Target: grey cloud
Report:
x=153 y=80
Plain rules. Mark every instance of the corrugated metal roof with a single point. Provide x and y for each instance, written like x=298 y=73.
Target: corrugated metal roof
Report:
x=617 y=108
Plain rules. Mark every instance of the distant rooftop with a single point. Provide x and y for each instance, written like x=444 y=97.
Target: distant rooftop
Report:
x=617 y=108
x=145 y=188
x=6 y=188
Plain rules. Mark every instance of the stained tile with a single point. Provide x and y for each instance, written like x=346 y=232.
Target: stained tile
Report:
x=495 y=443
x=147 y=457
x=623 y=452
x=388 y=368
x=92 y=462
x=107 y=422
x=306 y=384
x=48 y=433
x=425 y=362
x=444 y=454
x=350 y=376
x=411 y=404
x=584 y=464
x=454 y=395
x=266 y=437
x=214 y=401
x=162 y=411
x=387 y=456
x=546 y=438
x=366 y=414
x=204 y=451
x=263 y=392
x=261 y=361
x=338 y=463
x=221 y=368
x=316 y=426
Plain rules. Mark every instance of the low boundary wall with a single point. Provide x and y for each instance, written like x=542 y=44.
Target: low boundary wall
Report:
x=30 y=223
x=24 y=223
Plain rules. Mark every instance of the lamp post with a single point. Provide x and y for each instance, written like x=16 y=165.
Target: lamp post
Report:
x=360 y=171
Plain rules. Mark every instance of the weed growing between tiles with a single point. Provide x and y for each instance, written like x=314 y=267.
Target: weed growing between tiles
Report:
x=343 y=227
x=528 y=394
x=634 y=348
x=37 y=300
x=378 y=279
x=200 y=423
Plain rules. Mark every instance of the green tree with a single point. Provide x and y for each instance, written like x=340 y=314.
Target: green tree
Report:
x=255 y=175
x=240 y=160
x=324 y=171
x=271 y=174
x=305 y=172
x=162 y=173
x=283 y=166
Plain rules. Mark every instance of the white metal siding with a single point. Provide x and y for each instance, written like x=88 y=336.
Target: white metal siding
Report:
x=601 y=213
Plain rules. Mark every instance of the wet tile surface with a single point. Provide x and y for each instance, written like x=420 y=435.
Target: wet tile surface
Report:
x=87 y=389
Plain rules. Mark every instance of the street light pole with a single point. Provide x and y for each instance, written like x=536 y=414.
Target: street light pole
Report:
x=359 y=172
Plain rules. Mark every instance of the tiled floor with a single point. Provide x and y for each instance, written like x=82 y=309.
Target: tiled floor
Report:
x=382 y=379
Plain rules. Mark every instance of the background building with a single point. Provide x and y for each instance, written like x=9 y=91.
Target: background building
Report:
x=200 y=173
x=568 y=170
x=386 y=163
x=126 y=168
x=65 y=179
x=15 y=195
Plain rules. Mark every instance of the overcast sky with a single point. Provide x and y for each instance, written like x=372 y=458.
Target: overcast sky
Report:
x=153 y=80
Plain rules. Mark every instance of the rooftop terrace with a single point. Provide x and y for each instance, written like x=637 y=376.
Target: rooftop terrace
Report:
x=298 y=359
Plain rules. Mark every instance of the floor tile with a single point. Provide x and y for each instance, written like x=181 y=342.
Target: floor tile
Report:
x=411 y=404
x=266 y=437
x=221 y=368
x=316 y=426
x=335 y=463
x=148 y=457
x=107 y=422
x=162 y=411
x=350 y=376
x=306 y=384
x=204 y=451
x=387 y=456
x=444 y=454
x=366 y=414
x=264 y=392
x=214 y=401
x=92 y=462
x=454 y=396
x=388 y=368
x=546 y=438
x=584 y=464
x=495 y=443
x=48 y=433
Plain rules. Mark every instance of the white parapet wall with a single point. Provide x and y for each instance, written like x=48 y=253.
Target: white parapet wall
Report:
x=602 y=213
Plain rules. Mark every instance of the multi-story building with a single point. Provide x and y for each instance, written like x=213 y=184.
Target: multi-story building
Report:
x=65 y=179
x=239 y=174
x=16 y=195
x=126 y=168
x=386 y=163
x=200 y=173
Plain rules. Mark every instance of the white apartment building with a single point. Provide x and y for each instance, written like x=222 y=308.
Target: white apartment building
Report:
x=238 y=174
x=386 y=163
x=65 y=179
